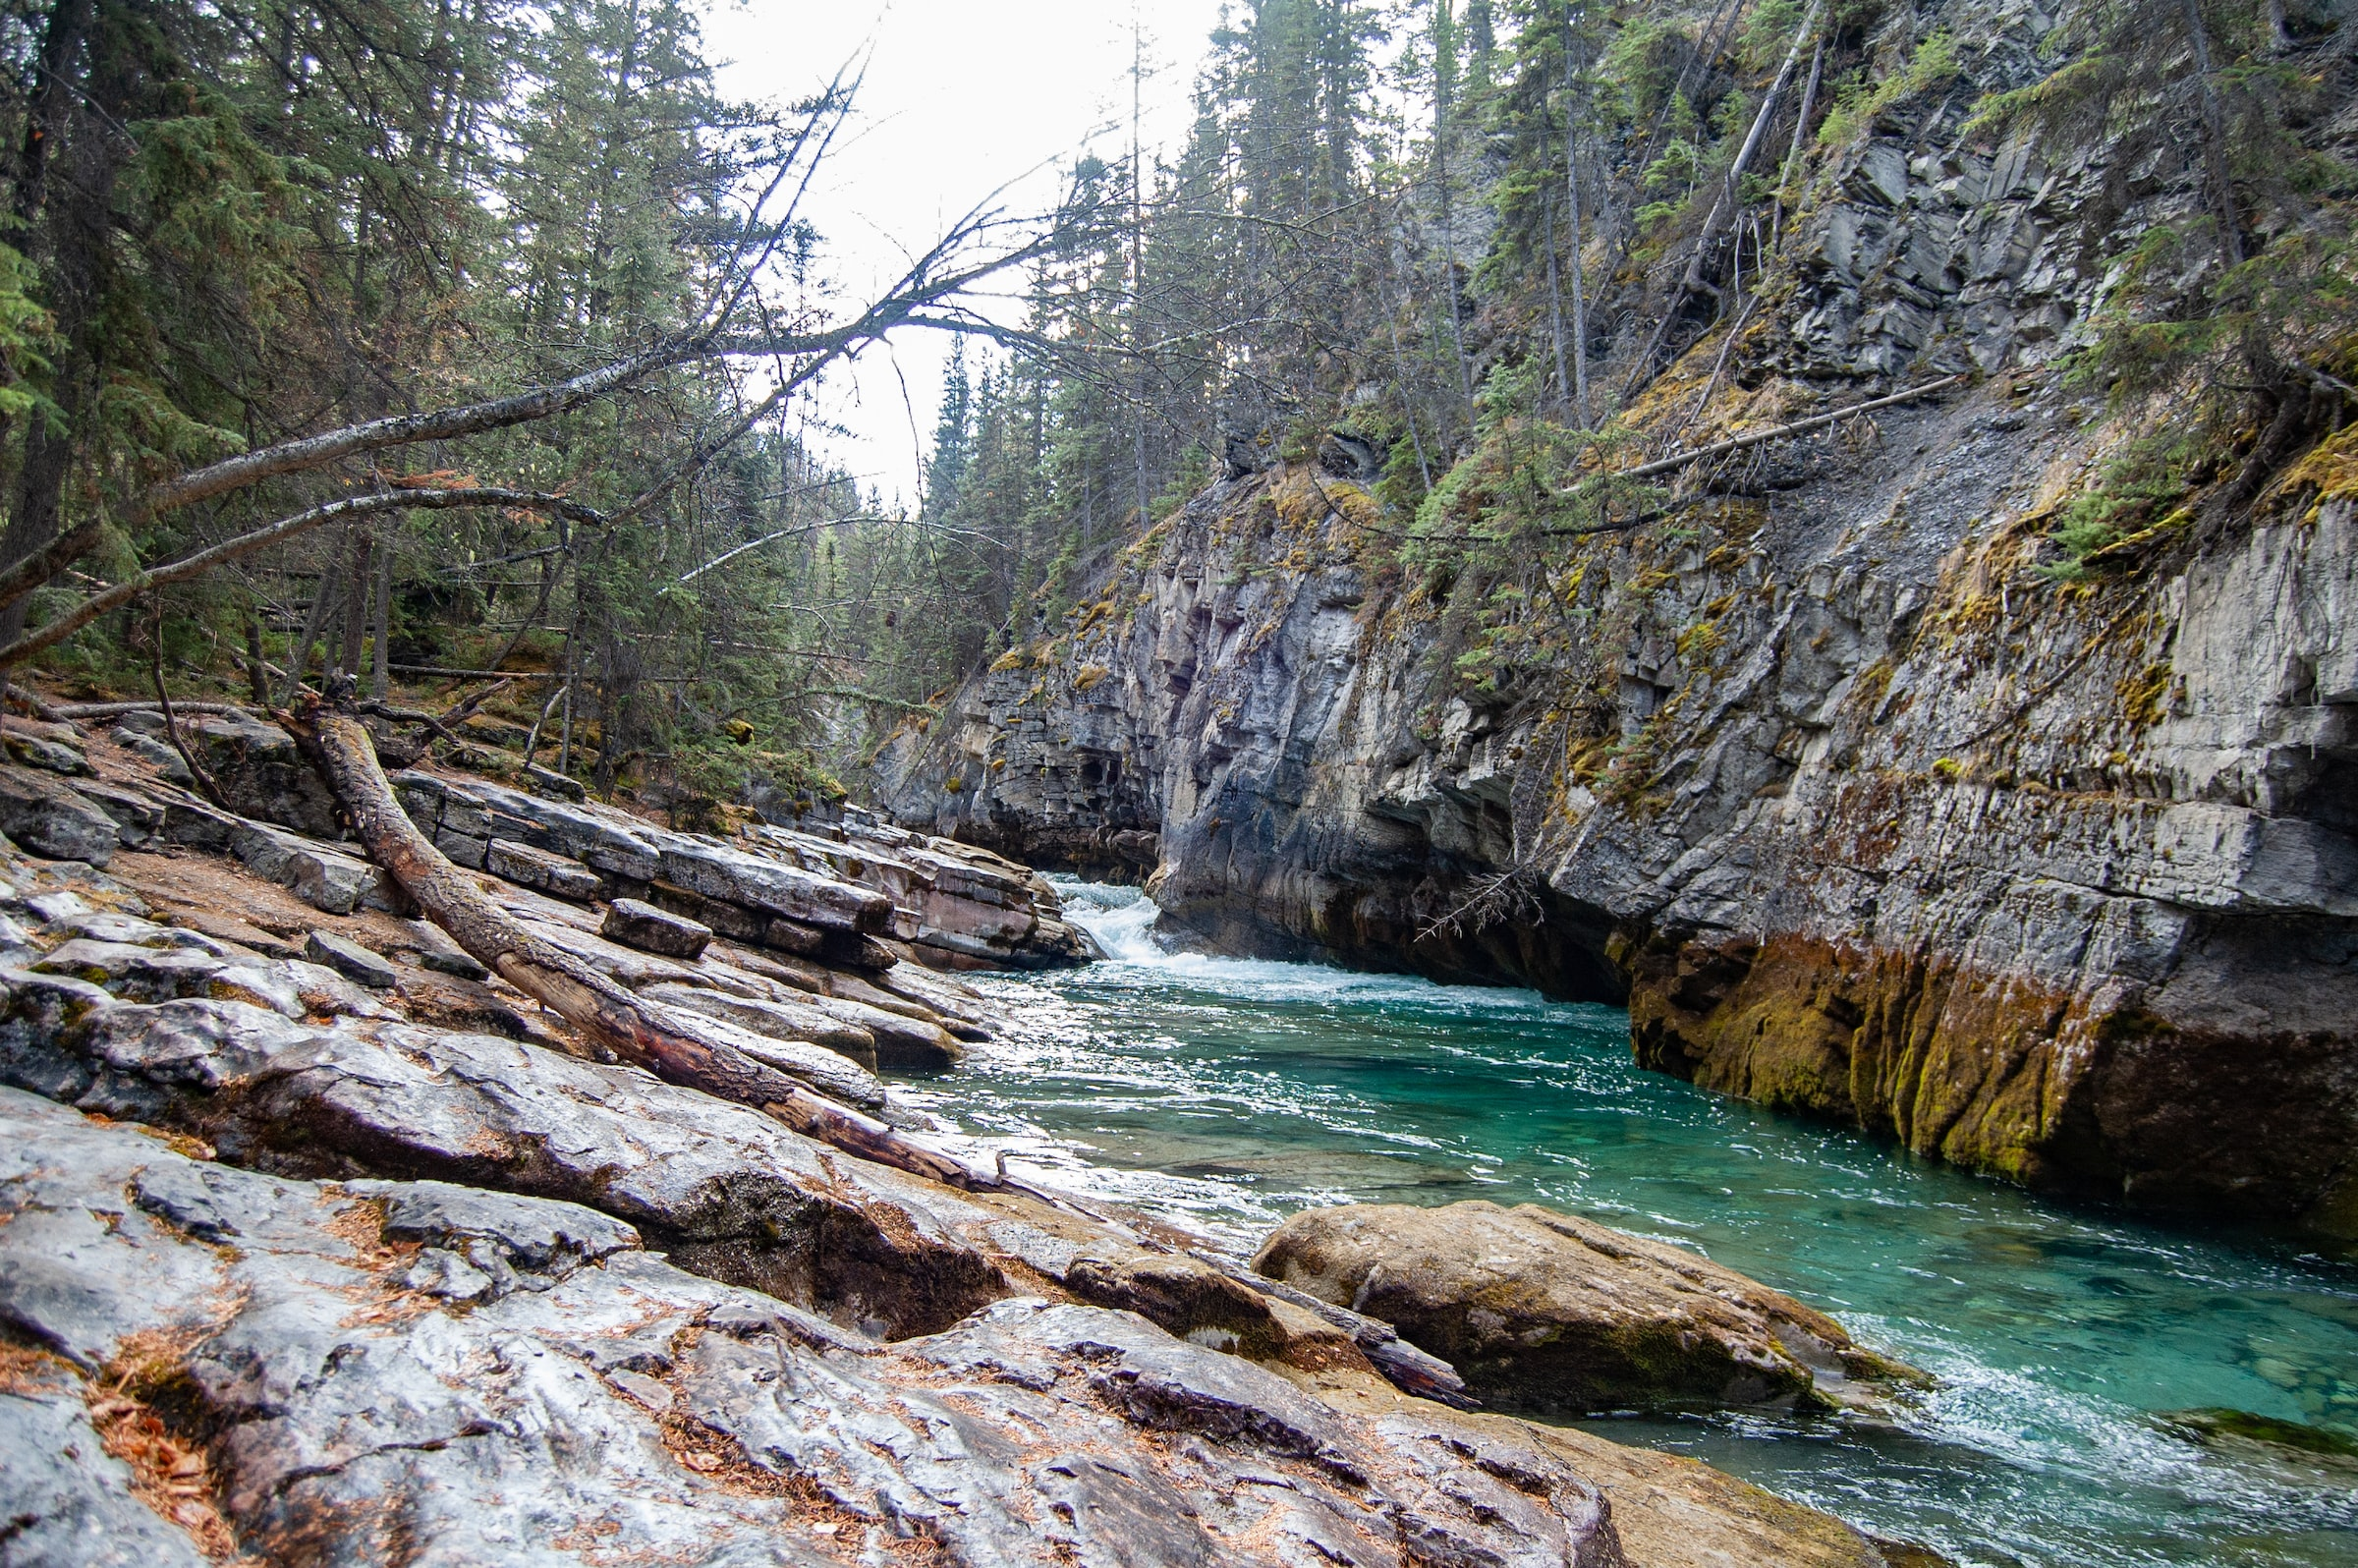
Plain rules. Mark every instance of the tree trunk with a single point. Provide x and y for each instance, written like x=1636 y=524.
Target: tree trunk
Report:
x=677 y=1047
x=2215 y=137
x=1723 y=210
x=1580 y=238
x=380 y=672
x=356 y=603
x=298 y=657
x=71 y=248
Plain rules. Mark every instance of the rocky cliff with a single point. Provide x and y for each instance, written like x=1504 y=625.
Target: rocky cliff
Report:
x=1860 y=810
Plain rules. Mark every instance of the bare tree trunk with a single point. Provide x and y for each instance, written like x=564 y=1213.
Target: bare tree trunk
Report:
x=258 y=668
x=2215 y=136
x=677 y=1047
x=1580 y=239
x=381 y=673
x=1407 y=393
x=1555 y=307
x=1801 y=130
x=1723 y=210
x=356 y=603
x=298 y=657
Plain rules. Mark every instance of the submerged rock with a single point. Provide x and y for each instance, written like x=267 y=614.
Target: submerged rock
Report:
x=1542 y=1311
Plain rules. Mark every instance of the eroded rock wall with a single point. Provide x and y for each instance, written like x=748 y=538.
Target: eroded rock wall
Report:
x=1861 y=814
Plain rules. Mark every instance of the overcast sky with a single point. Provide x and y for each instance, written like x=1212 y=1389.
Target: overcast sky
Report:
x=961 y=97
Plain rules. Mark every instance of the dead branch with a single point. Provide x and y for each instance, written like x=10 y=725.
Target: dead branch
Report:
x=1493 y=901
x=1680 y=460
x=180 y=570
x=46 y=562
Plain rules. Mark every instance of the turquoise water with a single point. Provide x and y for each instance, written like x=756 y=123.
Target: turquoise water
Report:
x=1228 y=1094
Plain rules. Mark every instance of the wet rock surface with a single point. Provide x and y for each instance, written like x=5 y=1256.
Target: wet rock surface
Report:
x=1551 y=1313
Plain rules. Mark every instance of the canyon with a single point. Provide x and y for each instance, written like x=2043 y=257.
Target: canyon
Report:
x=1862 y=804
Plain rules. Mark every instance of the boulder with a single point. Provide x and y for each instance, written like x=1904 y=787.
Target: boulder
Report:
x=1545 y=1312
x=263 y=775
x=733 y=876
x=553 y=785
x=326 y=878
x=645 y=926
x=168 y=764
x=830 y=1072
x=350 y=960
x=139 y=817
x=54 y=820
x=56 y=756
x=909 y=1043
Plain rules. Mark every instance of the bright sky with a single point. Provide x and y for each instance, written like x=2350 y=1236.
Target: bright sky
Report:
x=962 y=96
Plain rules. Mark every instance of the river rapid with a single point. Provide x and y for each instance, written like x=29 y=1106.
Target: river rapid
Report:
x=1226 y=1093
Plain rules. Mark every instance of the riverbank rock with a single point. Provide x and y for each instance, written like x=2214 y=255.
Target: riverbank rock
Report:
x=1545 y=1313
x=310 y=1364
x=643 y=926
x=53 y=819
x=296 y=1264
x=838 y=892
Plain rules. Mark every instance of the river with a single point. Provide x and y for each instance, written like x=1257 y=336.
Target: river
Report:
x=1228 y=1094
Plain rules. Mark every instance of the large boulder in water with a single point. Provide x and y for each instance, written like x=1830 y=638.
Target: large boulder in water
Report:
x=1541 y=1312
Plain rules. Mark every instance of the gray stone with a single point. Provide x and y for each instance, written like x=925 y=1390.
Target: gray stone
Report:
x=138 y=817
x=554 y=874
x=33 y=752
x=533 y=1233
x=168 y=764
x=349 y=959
x=453 y=963
x=778 y=1020
x=643 y=926
x=69 y=1502
x=906 y=1043
x=555 y=786
x=263 y=775
x=479 y=1416
x=1549 y=1312
x=52 y=819
x=733 y=876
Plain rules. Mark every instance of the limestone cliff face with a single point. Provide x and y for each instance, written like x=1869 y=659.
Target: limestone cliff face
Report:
x=1860 y=815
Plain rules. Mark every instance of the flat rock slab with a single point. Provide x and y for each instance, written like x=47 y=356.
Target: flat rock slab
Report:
x=639 y=925
x=349 y=959
x=1542 y=1311
x=335 y=1366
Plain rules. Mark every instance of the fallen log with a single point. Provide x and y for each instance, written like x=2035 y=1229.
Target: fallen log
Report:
x=674 y=1044
x=681 y=1047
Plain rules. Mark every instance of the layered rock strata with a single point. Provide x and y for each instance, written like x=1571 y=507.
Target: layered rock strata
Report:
x=293 y=1272
x=1860 y=810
